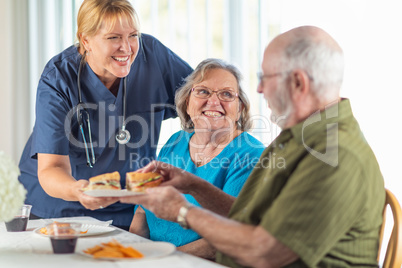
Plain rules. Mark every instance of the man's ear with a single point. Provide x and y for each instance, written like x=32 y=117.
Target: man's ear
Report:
x=299 y=83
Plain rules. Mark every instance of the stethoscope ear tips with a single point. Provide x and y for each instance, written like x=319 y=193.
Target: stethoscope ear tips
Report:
x=123 y=136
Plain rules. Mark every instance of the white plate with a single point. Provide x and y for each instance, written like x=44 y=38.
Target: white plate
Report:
x=148 y=249
x=111 y=193
x=93 y=229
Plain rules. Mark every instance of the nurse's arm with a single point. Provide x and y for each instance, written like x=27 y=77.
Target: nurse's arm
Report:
x=54 y=173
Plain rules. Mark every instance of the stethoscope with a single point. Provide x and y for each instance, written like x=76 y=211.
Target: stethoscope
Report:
x=123 y=135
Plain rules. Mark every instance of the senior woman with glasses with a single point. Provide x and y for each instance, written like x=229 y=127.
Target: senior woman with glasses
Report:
x=214 y=114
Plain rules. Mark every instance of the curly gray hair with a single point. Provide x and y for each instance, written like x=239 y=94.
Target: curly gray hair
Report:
x=182 y=95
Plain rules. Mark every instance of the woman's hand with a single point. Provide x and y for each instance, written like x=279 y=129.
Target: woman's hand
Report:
x=182 y=180
x=206 y=194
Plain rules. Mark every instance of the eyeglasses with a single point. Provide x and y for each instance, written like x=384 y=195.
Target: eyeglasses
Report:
x=222 y=94
x=262 y=76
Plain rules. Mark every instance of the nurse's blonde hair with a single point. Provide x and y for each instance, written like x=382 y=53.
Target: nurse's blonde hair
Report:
x=93 y=14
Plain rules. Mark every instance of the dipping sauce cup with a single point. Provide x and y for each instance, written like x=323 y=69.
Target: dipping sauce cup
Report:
x=20 y=221
x=63 y=236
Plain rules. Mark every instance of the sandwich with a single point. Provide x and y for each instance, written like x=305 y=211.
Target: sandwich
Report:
x=107 y=181
x=138 y=182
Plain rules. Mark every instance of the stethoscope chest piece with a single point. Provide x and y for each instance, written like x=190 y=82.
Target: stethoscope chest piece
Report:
x=123 y=136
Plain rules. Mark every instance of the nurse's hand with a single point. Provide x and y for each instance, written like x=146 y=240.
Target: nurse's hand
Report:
x=90 y=202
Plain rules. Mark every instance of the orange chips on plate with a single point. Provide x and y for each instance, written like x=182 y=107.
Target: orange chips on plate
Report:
x=113 y=249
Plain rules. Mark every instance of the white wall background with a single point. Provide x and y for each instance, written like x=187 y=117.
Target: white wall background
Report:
x=14 y=88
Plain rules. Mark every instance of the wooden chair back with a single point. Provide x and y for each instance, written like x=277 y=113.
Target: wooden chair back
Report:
x=393 y=255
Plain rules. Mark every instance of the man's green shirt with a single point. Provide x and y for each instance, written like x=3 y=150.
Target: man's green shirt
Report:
x=317 y=189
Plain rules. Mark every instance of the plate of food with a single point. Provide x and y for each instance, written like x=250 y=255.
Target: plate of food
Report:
x=108 y=185
x=116 y=251
x=85 y=229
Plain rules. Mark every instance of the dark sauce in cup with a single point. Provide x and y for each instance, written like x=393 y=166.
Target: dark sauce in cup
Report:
x=18 y=224
x=63 y=245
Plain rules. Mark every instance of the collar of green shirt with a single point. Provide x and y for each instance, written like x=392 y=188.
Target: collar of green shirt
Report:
x=320 y=120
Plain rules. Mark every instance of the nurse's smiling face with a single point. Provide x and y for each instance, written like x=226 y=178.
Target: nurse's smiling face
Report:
x=111 y=51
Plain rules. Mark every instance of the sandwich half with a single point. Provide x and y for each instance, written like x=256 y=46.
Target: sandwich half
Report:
x=138 y=182
x=107 y=181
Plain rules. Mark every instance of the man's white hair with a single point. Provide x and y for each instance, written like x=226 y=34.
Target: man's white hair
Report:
x=321 y=59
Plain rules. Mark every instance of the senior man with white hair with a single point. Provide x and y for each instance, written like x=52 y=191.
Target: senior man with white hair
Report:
x=322 y=206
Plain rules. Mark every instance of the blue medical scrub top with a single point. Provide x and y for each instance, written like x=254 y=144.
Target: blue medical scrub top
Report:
x=155 y=76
